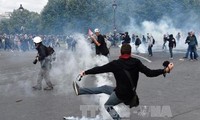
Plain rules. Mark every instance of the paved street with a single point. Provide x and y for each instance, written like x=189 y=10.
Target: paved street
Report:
x=178 y=93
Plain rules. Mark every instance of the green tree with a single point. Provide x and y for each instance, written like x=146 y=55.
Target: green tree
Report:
x=21 y=22
x=4 y=26
x=61 y=16
x=65 y=16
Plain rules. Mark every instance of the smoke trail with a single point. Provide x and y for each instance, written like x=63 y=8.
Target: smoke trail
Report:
x=65 y=69
x=69 y=64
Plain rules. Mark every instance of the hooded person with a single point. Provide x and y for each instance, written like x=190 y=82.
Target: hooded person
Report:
x=126 y=72
x=45 y=63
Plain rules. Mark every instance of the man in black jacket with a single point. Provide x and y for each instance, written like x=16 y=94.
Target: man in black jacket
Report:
x=126 y=38
x=123 y=92
x=172 y=44
x=45 y=62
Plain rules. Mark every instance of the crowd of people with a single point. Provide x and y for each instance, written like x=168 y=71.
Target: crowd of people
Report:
x=125 y=69
x=24 y=42
x=172 y=41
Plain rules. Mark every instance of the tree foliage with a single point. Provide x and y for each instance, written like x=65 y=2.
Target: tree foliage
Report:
x=65 y=16
x=78 y=15
x=20 y=22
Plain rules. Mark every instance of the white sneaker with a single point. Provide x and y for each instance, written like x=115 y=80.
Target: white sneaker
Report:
x=76 y=88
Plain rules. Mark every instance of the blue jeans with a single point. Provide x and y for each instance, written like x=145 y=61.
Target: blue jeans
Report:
x=193 y=50
x=97 y=90
x=112 y=100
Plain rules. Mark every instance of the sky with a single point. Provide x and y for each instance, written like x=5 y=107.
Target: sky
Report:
x=31 y=5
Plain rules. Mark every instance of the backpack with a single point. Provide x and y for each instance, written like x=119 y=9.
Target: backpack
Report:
x=50 y=50
x=51 y=53
x=104 y=50
x=153 y=41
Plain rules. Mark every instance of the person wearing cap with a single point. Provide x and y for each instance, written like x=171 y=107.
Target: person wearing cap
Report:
x=126 y=72
x=100 y=44
x=45 y=62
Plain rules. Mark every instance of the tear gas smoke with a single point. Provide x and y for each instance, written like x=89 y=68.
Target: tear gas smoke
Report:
x=157 y=30
x=65 y=69
x=69 y=64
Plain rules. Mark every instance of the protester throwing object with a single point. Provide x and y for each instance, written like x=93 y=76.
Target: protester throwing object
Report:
x=126 y=72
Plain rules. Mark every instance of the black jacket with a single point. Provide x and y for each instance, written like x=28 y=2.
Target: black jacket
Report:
x=126 y=39
x=123 y=86
x=42 y=52
x=137 y=41
x=172 y=41
x=102 y=49
x=43 y=57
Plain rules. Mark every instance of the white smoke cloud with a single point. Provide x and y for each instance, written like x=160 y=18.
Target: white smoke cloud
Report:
x=157 y=29
x=16 y=83
x=69 y=64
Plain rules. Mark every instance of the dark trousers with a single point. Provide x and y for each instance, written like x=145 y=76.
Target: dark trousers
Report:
x=171 y=51
x=193 y=52
x=150 y=50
